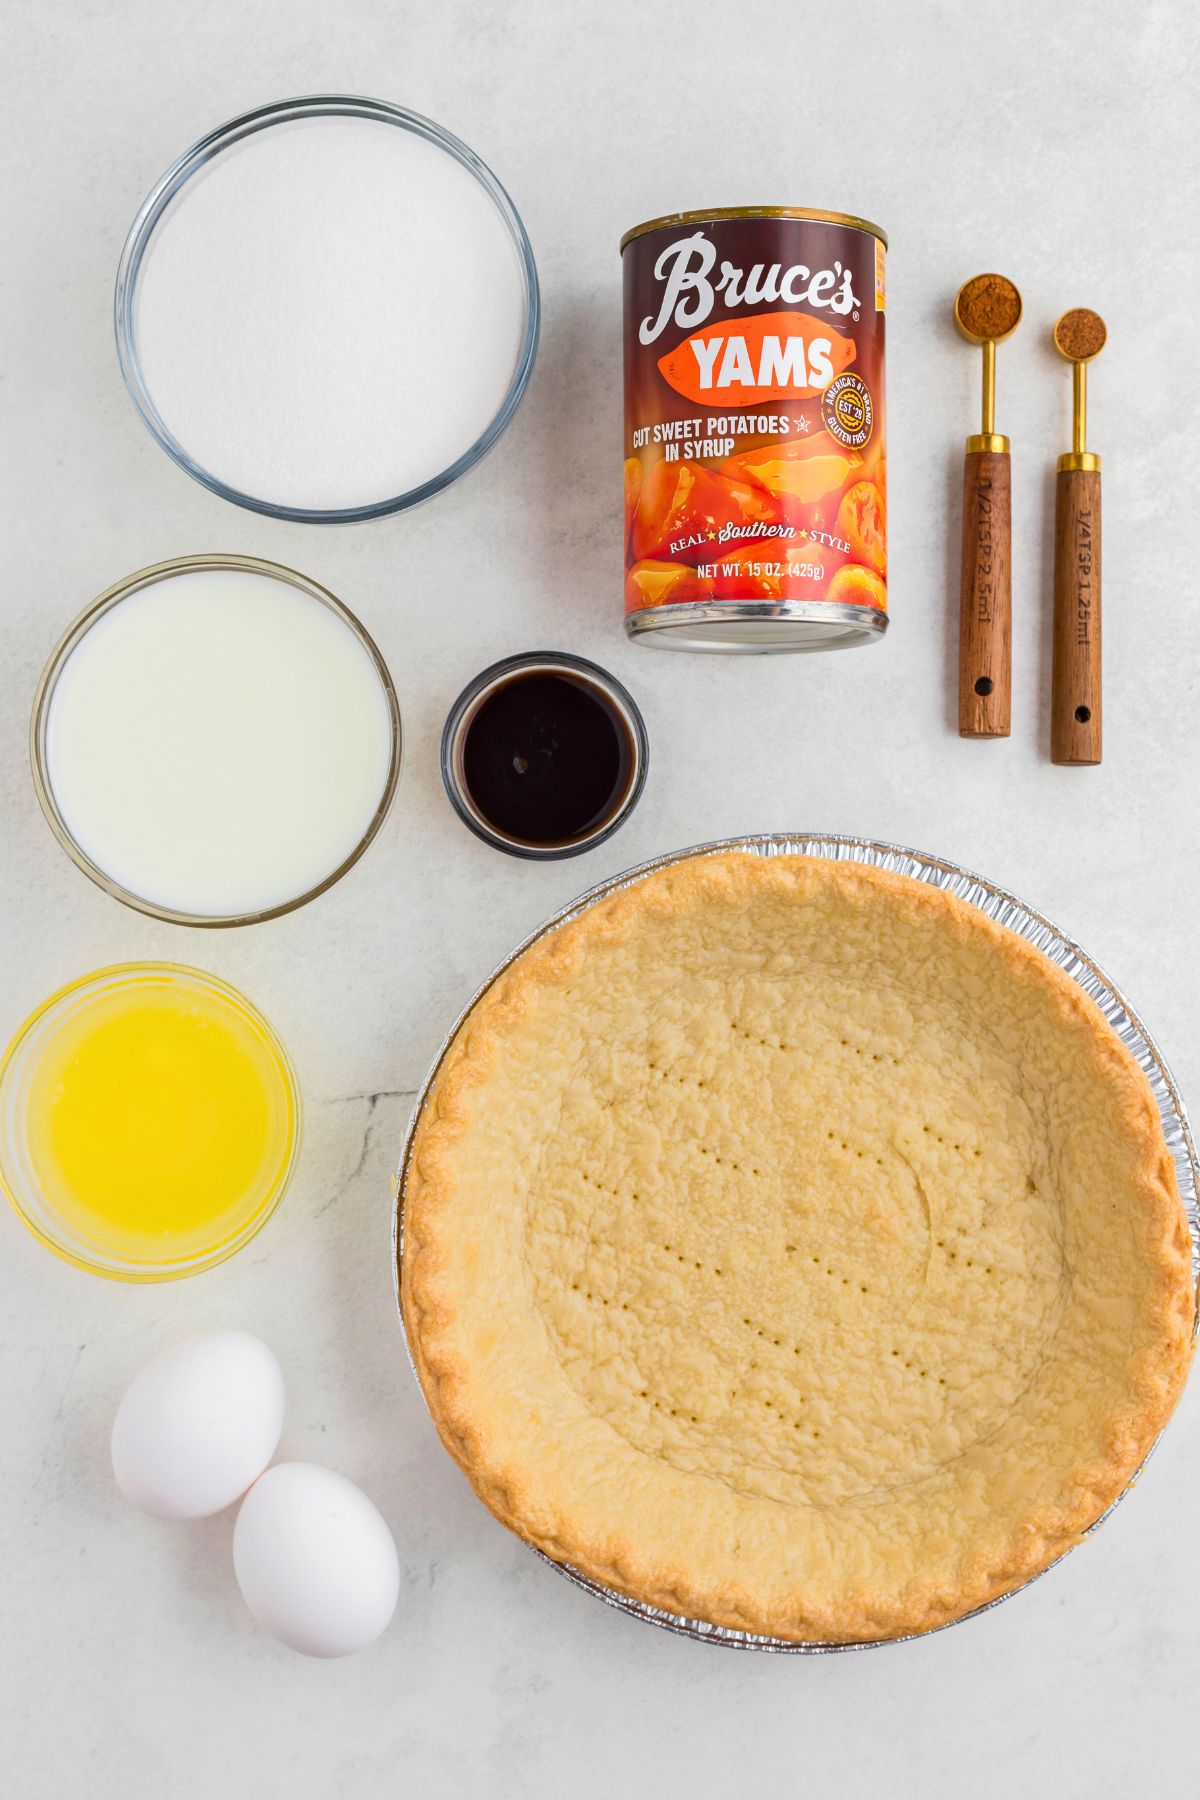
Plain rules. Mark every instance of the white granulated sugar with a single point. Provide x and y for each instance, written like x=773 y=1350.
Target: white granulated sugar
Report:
x=330 y=313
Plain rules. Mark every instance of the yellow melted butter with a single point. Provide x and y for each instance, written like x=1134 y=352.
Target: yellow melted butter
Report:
x=159 y=1119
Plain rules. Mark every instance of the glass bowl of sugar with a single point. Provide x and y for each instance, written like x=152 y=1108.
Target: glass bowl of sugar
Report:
x=327 y=310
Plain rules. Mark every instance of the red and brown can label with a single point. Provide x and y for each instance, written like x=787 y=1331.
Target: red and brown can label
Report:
x=755 y=447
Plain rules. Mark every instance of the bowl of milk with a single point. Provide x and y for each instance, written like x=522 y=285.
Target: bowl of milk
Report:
x=216 y=740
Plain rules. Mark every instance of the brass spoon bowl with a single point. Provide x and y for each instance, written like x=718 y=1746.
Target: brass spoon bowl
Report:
x=987 y=309
x=971 y=305
x=1080 y=334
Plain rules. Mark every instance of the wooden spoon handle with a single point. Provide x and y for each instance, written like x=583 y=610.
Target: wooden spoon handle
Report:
x=985 y=635
x=1075 y=708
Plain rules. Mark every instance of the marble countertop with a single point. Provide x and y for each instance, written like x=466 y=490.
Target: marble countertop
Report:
x=1054 y=143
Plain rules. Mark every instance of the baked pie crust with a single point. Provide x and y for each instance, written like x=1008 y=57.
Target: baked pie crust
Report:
x=789 y=1246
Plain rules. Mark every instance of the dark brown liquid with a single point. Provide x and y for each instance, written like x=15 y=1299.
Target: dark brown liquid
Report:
x=547 y=759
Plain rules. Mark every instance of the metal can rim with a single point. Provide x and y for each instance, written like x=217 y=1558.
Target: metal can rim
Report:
x=659 y=624
x=715 y=214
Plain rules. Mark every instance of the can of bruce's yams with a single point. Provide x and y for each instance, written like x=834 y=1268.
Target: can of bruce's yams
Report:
x=755 y=443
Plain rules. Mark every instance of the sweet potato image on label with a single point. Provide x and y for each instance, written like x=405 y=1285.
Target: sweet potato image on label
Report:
x=683 y=506
x=801 y=469
x=664 y=584
x=862 y=521
x=855 y=586
x=633 y=487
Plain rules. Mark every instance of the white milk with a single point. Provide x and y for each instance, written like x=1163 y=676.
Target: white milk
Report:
x=330 y=314
x=219 y=742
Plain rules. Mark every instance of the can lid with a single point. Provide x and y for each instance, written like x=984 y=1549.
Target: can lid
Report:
x=755 y=626
x=713 y=214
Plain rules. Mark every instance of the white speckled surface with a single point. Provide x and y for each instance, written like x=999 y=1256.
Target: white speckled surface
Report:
x=1054 y=143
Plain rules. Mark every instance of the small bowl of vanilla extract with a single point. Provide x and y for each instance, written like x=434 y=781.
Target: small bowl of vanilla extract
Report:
x=544 y=755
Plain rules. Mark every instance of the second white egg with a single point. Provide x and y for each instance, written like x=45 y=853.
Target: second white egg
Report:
x=315 y=1561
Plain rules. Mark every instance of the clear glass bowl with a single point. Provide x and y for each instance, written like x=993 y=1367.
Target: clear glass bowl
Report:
x=24 y=1183
x=39 y=721
x=190 y=164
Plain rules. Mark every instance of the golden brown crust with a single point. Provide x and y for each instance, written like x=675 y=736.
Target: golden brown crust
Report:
x=694 y=1515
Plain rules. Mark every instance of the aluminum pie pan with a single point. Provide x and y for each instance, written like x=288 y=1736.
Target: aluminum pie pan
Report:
x=996 y=903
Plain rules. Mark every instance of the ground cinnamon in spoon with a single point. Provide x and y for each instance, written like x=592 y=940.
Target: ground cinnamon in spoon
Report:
x=989 y=306
x=1080 y=334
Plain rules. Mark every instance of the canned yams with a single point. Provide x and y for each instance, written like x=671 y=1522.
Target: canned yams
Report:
x=755 y=471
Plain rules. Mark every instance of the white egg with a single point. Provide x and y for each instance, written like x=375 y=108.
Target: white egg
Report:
x=198 y=1425
x=315 y=1561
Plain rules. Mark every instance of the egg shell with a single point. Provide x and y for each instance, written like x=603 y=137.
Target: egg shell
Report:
x=315 y=1561
x=198 y=1425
